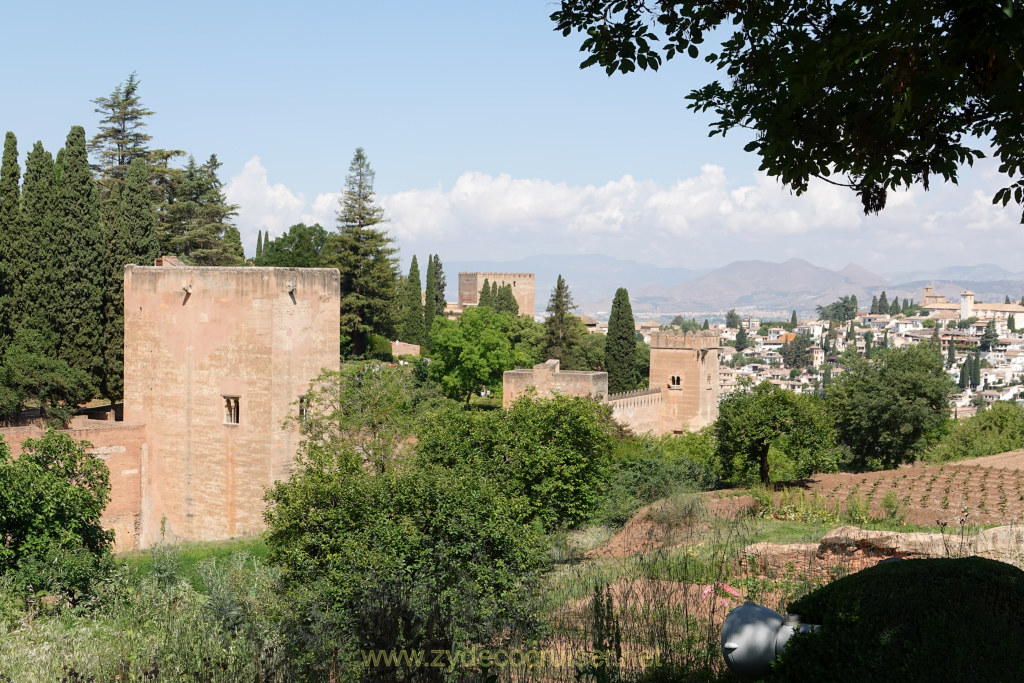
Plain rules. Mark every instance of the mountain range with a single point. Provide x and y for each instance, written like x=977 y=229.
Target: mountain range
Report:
x=760 y=288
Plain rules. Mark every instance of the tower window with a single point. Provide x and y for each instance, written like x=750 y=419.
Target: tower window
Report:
x=231 y=410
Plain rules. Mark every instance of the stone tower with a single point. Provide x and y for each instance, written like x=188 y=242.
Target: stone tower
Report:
x=470 y=285
x=685 y=368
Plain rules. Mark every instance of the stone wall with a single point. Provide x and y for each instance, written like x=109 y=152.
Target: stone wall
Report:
x=400 y=348
x=640 y=410
x=215 y=358
x=470 y=285
x=549 y=380
x=122 y=446
x=685 y=367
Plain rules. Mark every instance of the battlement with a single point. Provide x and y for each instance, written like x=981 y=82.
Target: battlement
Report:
x=701 y=339
x=470 y=284
x=498 y=276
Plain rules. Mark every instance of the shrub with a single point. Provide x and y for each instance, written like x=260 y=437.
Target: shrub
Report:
x=996 y=430
x=894 y=622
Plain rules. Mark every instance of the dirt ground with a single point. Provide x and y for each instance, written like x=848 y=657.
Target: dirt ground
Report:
x=983 y=491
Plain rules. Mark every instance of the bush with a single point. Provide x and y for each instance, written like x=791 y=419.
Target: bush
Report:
x=894 y=622
x=553 y=452
x=996 y=430
x=51 y=499
x=380 y=348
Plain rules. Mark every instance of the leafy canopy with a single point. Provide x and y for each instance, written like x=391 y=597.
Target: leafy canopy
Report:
x=882 y=94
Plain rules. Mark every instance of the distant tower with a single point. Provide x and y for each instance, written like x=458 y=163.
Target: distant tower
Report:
x=685 y=368
x=966 y=304
x=470 y=285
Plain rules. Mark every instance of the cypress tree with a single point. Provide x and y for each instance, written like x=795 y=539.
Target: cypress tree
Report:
x=485 y=295
x=259 y=244
x=10 y=201
x=874 y=305
x=990 y=336
x=429 y=299
x=440 y=284
x=705 y=326
x=131 y=239
x=951 y=353
x=78 y=318
x=1011 y=322
x=965 y=373
x=31 y=255
x=1007 y=300
x=894 y=308
x=741 y=339
x=792 y=320
x=620 y=345
x=868 y=338
x=976 y=370
x=850 y=334
x=883 y=303
x=506 y=301
x=494 y=293
x=411 y=326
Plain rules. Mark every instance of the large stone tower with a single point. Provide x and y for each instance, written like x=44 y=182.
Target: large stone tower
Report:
x=685 y=368
x=470 y=285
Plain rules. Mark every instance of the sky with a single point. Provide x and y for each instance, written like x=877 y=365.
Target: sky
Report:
x=488 y=141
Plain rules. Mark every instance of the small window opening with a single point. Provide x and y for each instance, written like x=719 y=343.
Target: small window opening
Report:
x=231 y=410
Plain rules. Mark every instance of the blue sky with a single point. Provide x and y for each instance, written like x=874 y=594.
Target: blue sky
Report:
x=487 y=139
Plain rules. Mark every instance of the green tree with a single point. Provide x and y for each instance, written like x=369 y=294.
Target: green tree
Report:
x=883 y=304
x=78 y=264
x=198 y=223
x=839 y=311
x=411 y=327
x=259 y=244
x=561 y=334
x=471 y=353
x=705 y=325
x=951 y=353
x=121 y=137
x=34 y=289
x=742 y=342
x=1011 y=322
x=894 y=307
x=620 y=345
x=850 y=334
x=366 y=259
x=555 y=453
x=51 y=499
x=440 y=283
x=732 y=319
x=990 y=336
x=965 y=373
x=419 y=559
x=874 y=305
x=976 y=370
x=796 y=353
x=301 y=246
x=889 y=410
x=429 y=299
x=485 y=295
x=10 y=205
x=793 y=320
x=868 y=338
x=753 y=420
x=837 y=90
x=131 y=238
x=506 y=301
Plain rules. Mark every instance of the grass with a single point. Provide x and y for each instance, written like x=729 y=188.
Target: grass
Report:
x=188 y=557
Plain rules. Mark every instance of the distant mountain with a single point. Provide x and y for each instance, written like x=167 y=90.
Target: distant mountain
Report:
x=760 y=288
x=985 y=272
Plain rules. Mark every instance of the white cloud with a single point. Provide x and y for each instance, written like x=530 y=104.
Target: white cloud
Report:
x=702 y=221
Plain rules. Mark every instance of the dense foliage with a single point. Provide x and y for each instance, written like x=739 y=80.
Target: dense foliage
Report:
x=888 y=410
x=620 y=345
x=51 y=498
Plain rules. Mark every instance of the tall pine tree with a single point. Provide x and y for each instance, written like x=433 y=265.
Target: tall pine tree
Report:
x=10 y=204
x=894 y=307
x=121 y=137
x=78 y=263
x=197 y=224
x=883 y=304
x=561 y=334
x=874 y=305
x=259 y=243
x=440 y=284
x=620 y=345
x=429 y=299
x=411 y=324
x=365 y=257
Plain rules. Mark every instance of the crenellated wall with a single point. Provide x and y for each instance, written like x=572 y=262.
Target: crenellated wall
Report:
x=547 y=379
x=470 y=285
x=640 y=410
